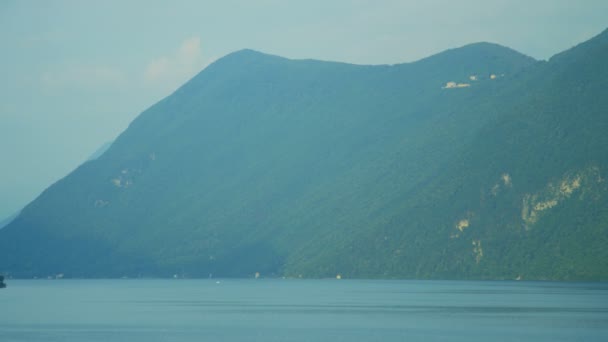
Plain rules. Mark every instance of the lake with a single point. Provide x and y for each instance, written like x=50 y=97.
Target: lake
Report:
x=301 y=310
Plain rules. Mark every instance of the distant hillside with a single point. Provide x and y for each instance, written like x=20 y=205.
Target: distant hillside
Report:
x=476 y=163
x=101 y=150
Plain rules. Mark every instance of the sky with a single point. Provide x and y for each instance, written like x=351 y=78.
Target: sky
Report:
x=74 y=74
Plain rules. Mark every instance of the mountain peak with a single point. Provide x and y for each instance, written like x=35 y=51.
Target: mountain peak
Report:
x=484 y=50
x=248 y=55
x=484 y=46
x=481 y=58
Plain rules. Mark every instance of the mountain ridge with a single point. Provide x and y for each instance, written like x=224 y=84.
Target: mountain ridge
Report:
x=307 y=168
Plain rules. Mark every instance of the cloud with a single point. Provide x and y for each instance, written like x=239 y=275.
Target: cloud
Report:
x=177 y=68
x=83 y=76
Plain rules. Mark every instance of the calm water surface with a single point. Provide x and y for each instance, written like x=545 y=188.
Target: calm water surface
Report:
x=301 y=310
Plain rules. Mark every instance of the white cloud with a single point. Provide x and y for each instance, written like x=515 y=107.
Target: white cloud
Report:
x=83 y=76
x=173 y=70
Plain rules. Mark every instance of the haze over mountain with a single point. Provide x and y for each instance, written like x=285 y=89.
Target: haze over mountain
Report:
x=478 y=162
x=101 y=150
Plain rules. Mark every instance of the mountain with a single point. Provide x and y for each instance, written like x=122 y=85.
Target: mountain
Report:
x=101 y=150
x=478 y=162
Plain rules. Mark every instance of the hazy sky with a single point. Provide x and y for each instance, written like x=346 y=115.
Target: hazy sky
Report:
x=73 y=74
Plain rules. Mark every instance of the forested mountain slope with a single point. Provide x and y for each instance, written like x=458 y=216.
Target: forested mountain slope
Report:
x=478 y=162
